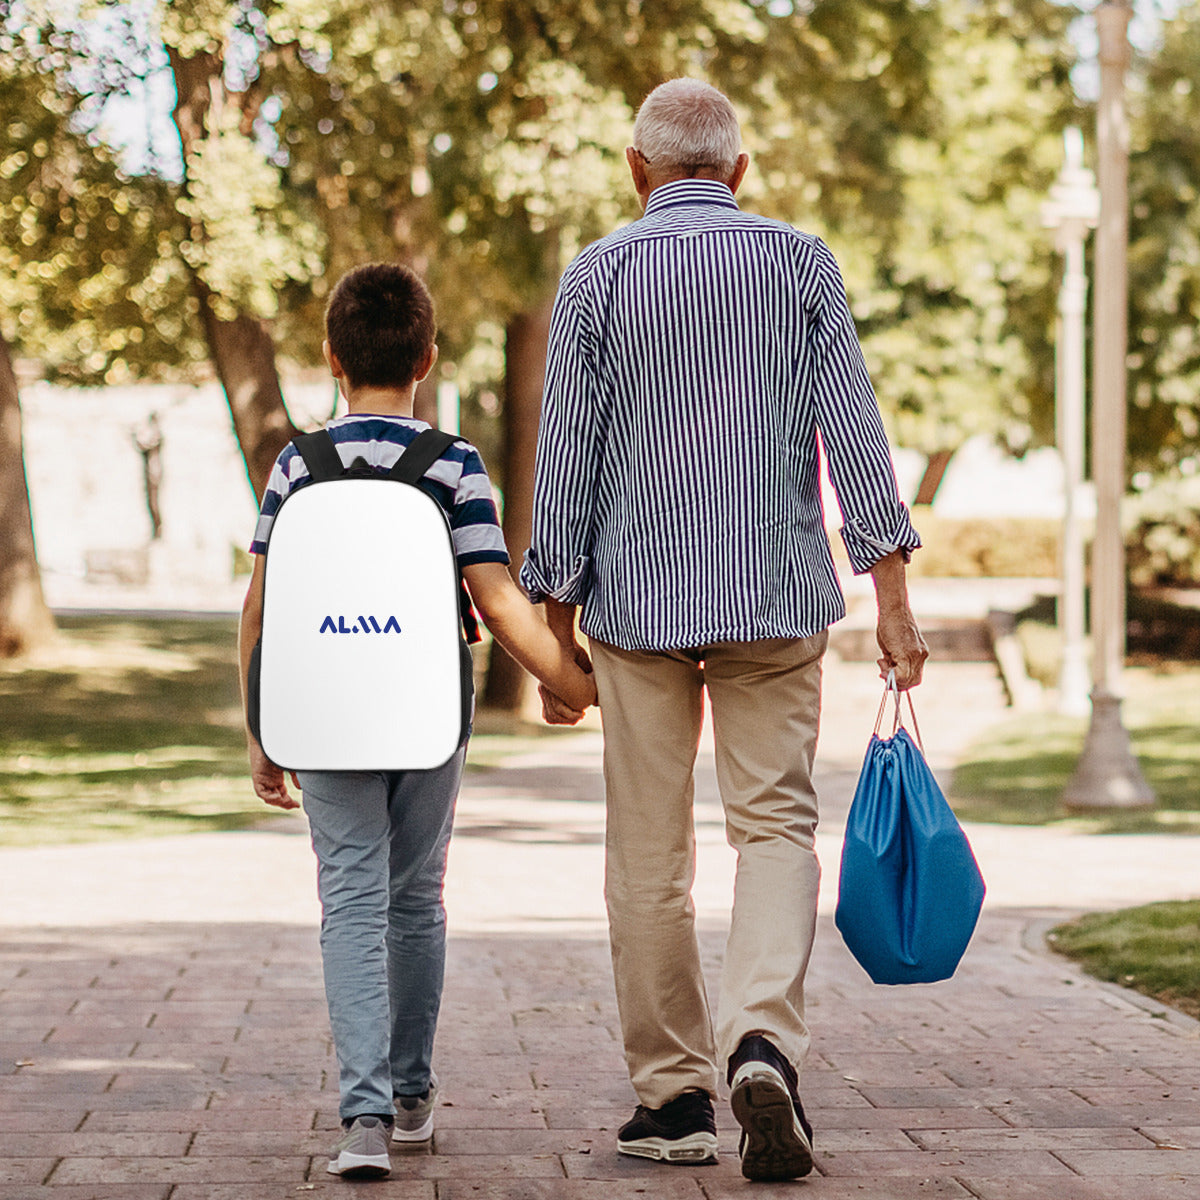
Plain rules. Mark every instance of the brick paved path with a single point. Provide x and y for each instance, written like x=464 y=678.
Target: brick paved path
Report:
x=169 y=1039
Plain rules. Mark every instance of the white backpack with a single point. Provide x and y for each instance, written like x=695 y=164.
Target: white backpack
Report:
x=362 y=664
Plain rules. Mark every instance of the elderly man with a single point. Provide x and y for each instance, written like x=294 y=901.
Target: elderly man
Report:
x=697 y=357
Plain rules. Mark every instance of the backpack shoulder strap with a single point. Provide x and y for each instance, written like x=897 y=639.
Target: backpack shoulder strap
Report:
x=320 y=455
x=421 y=453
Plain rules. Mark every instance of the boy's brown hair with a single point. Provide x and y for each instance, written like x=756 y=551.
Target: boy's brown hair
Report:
x=380 y=325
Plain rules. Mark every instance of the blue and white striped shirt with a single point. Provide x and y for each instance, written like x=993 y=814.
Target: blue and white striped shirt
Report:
x=458 y=481
x=696 y=358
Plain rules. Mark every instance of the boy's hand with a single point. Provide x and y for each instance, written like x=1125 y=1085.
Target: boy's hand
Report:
x=270 y=786
x=556 y=711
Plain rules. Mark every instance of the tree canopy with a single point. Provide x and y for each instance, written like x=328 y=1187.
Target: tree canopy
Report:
x=482 y=141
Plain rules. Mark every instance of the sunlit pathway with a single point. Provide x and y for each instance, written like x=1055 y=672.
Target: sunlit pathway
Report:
x=163 y=1033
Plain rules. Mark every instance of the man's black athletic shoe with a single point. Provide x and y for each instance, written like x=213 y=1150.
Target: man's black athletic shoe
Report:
x=682 y=1131
x=776 y=1136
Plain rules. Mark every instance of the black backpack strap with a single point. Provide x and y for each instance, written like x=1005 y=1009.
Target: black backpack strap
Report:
x=320 y=455
x=421 y=453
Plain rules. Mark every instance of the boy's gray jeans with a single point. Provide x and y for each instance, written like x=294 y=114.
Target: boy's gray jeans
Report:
x=380 y=839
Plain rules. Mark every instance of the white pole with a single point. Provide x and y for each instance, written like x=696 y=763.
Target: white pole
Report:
x=1108 y=775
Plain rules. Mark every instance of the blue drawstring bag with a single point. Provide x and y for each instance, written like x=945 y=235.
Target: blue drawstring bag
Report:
x=909 y=891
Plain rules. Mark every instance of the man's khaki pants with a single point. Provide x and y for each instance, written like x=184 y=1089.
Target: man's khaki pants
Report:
x=765 y=699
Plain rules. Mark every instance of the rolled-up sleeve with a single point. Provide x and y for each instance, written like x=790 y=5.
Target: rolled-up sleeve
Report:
x=558 y=561
x=875 y=520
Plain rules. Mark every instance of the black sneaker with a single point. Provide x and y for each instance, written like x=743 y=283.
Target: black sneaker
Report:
x=682 y=1131
x=776 y=1136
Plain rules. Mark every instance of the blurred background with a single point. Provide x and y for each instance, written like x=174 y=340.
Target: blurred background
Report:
x=181 y=184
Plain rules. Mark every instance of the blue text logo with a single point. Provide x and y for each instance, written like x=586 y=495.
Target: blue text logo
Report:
x=361 y=625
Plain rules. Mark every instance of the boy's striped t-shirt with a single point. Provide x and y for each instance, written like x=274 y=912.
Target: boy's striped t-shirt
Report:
x=458 y=481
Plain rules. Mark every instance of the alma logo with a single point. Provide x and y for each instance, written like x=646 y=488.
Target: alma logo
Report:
x=361 y=625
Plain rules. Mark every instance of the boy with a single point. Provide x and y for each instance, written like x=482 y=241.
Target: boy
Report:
x=381 y=837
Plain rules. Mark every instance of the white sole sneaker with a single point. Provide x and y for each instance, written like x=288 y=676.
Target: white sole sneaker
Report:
x=360 y=1166
x=695 y=1148
x=774 y=1144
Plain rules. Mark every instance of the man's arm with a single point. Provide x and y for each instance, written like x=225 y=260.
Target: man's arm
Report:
x=269 y=783
x=904 y=649
x=561 y=619
x=519 y=628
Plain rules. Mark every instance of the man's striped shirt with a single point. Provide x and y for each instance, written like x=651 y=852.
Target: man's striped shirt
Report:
x=697 y=358
x=458 y=481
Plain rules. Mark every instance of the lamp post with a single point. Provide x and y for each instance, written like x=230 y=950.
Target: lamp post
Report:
x=1107 y=775
x=1072 y=210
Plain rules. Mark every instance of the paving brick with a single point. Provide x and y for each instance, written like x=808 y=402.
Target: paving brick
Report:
x=1177 y=1137
x=25 y=1170
x=661 y=1187
x=1031 y=1139
x=95 y=1145
x=297 y=1117
x=906 y=1118
x=61 y=1120
x=867 y=1188
x=1020 y=1188
x=529 y=1117
x=1121 y=1163
x=250 y=1170
x=87 y=1191
x=516 y=1141
x=481 y=1166
x=929 y=1164
x=320 y=1185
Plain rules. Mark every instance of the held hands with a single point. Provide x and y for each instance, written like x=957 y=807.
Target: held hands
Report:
x=558 y=711
x=270 y=785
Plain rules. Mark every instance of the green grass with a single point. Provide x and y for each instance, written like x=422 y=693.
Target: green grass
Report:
x=1016 y=771
x=128 y=727
x=1154 y=949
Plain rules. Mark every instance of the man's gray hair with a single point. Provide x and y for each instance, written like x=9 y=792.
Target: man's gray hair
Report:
x=685 y=124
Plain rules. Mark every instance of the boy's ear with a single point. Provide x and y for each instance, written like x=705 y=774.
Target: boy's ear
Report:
x=426 y=365
x=335 y=367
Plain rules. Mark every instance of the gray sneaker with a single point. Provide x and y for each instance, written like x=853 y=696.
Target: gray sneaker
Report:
x=362 y=1151
x=414 y=1115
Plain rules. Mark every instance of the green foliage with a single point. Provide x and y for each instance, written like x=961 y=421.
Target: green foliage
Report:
x=247 y=242
x=1162 y=533
x=958 y=313
x=90 y=283
x=1164 y=248
x=1154 y=949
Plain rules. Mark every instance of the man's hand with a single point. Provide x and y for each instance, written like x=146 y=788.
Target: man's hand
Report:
x=556 y=711
x=270 y=786
x=904 y=649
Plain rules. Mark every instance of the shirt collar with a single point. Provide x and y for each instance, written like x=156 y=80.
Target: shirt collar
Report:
x=690 y=191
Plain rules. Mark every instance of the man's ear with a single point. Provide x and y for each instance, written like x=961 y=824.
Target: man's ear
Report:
x=426 y=365
x=739 y=172
x=637 y=168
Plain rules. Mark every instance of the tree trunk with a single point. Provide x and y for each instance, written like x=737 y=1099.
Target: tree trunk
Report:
x=241 y=350
x=526 y=340
x=935 y=468
x=244 y=357
x=25 y=621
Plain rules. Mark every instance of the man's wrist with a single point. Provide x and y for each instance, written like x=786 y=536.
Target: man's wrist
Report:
x=561 y=619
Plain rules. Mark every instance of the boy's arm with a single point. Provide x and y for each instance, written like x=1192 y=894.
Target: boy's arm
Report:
x=519 y=628
x=269 y=782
